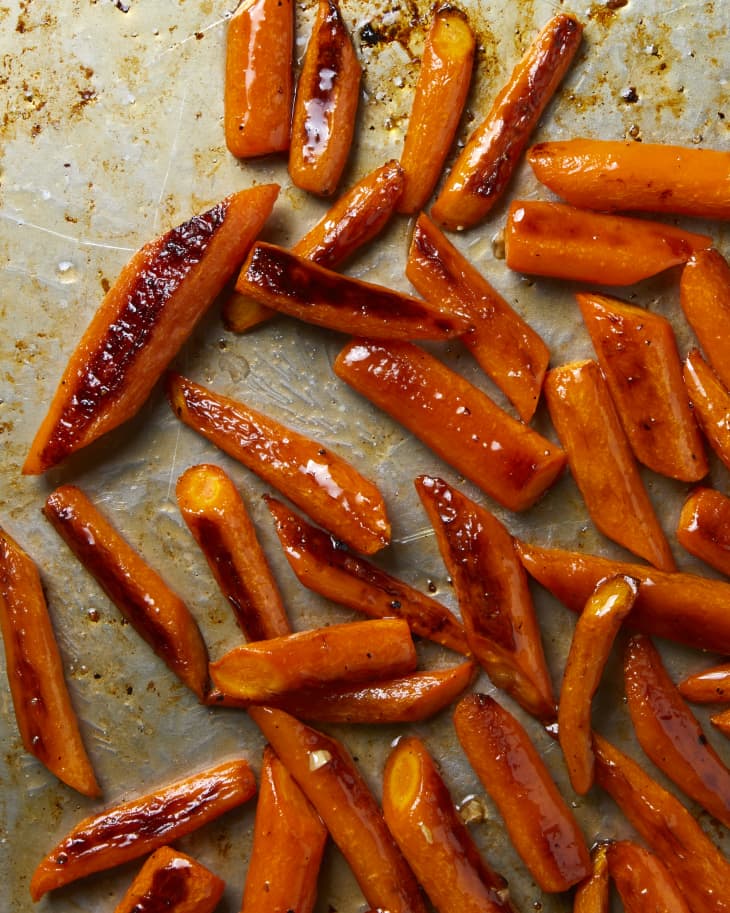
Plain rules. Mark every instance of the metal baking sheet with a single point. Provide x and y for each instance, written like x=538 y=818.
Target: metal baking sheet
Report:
x=112 y=133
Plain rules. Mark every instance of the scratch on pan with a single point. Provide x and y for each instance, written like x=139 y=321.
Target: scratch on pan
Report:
x=83 y=242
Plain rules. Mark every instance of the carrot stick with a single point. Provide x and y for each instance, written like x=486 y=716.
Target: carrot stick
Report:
x=172 y=881
x=710 y=686
x=704 y=527
x=643 y=881
x=44 y=713
x=157 y=614
x=721 y=722
x=704 y=293
x=710 y=401
x=592 y=895
x=485 y=165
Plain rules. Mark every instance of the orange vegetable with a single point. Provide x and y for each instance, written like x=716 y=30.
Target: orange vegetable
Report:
x=325 y=486
x=643 y=881
x=493 y=594
x=461 y=424
x=170 y=880
x=704 y=527
x=485 y=165
x=506 y=347
x=44 y=713
x=552 y=239
x=157 y=614
x=721 y=721
x=131 y=830
x=705 y=298
x=710 y=402
x=710 y=686
x=592 y=895
x=143 y=321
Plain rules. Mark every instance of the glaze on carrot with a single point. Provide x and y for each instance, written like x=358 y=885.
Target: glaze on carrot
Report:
x=643 y=881
x=721 y=722
x=704 y=293
x=710 y=686
x=704 y=527
x=710 y=401
x=593 y=894
x=171 y=881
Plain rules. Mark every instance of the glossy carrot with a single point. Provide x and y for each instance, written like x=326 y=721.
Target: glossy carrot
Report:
x=710 y=401
x=721 y=722
x=143 y=321
x=593 y=894
x=171 y=881
x=328 y=777
x=508 y=460
x=704 y=527
x=156 y=613
x=44 y=712
x=325 y=486
x=438 y=103
x=643 y=881
x=493 y=594
x=638 y=354
x=506 y=347
x=137 y=827
x=553 y=239
x=704 y=293
x=710 y=686
x=484 y=167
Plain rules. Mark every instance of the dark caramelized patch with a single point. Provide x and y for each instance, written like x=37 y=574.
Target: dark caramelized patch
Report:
x=170 y=886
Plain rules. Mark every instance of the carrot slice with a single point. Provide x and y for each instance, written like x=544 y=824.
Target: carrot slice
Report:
x=172 y=881
x=130 y=830
x=485 y=165
x=318 y=481
x=721 y=722
x=710 y=400
x=643 y=881
x=493 y=594
x=704 y=527
x=553 y=239
x=46 y=718
x=143 y=321
x=506 y=347
x=438 y=103
x=710 y=686
x=538 y=820
x=461 y=424
x=328 y=777
x=592 y=895
x=157 y=614
x=704 y=293
x=638 y=353
x=420 y=813
x=259 y=82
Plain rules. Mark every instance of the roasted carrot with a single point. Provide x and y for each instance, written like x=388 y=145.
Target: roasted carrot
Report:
x=325 y=486
x=592 y=895
x=259 y=80
x=540 y=824
x=704 y=293
x=638 y=354
x=643 y=881
x=601 y=461
x=721 y=722
x=143 y=321
x=493 y=593
x=44 y=712
x=485 y=165
x=704 y=527
x=328 y=777
x=438 y=103
x=420 y=814
x=593 y=637
x=710 y=686
x=506 y=347
x=217 y=517
x=130 y=830
x=553 y=239
x=461 y=424
x=172 y=881
x=710 y=401
x=325 y=109
x=157 y=614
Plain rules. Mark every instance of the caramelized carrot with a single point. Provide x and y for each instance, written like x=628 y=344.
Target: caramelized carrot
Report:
x=710 y=686
x=157 y=614
x=710 y=402
x=601 y=461
x=704 y=527
x=552 y=239
x=506 y=347
x=325 y=486
x=493 y=595
x=143 y=321
x=643 y=881
x=538 y=820
x=704 y=293
x=721 y=722
x=130 y=830
x=461 y=424
x=171 y=881
x=485 y=165
x=592 y=895
x=638 y=353
x=44 y=713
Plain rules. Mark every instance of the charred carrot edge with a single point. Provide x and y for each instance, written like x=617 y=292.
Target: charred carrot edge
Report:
x=638 y=354
x=322 y=484
x=288 y=843
x=328 y=90
x=353 y=652
x=507 y=348
x=493 y=593
x=704 y=293
x=328 y=777
x=438 y=103
x=143 y=321
x=461 y=424
x=539 y=823
x=703 y=527
x=259 y=80
x=158 y=615
x=130 y=830
x=553 y=239
x=710 y=686
x=600 y=458
x=593 y=894
x=593 y=637
x=721 y=722
x=642 y=880
x=171 y=878
x=420 y=814
x=485 y=165
x=44 y=712
x=330 y=570
x=217 y=517
x=710 y=402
